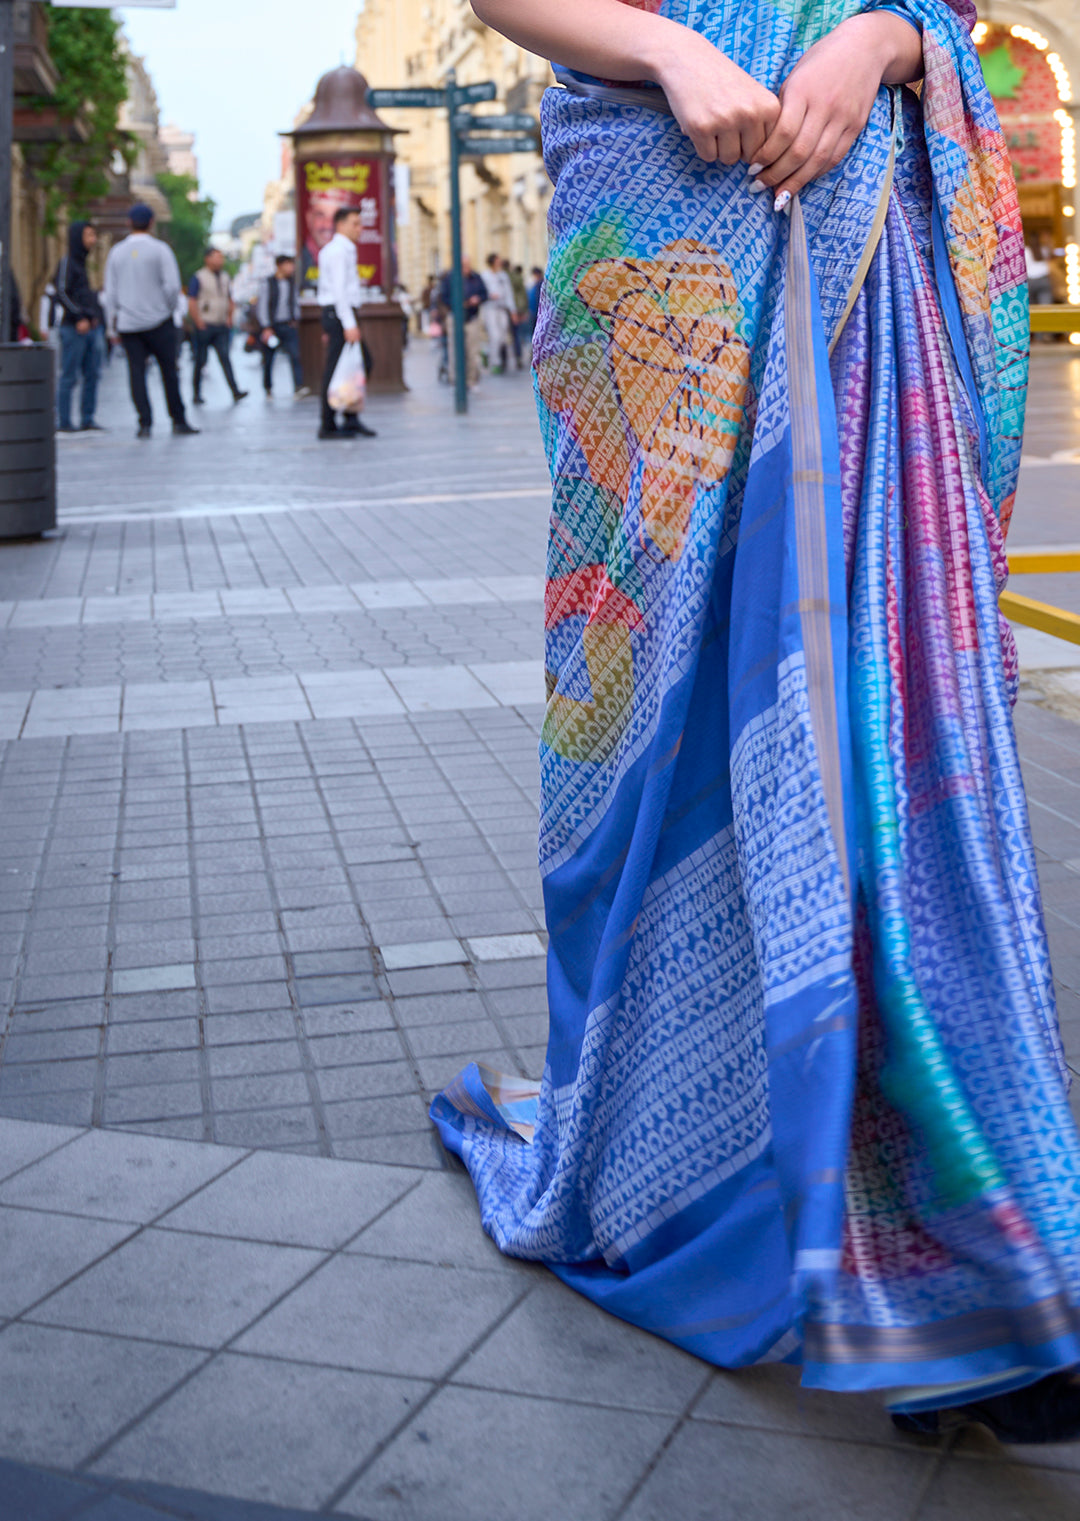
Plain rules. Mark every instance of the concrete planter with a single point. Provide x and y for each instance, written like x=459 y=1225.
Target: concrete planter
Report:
x=27 y=440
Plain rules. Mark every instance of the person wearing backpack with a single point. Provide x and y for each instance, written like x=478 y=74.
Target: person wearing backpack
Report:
x=81 y=321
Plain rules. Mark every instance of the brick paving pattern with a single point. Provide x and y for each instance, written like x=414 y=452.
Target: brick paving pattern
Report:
x=268 y=773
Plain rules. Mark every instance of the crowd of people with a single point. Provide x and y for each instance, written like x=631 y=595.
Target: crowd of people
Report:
x=500 y=315
x=146 y=308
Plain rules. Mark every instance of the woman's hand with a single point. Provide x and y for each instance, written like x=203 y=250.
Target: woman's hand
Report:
x=725 y=113
x=826 y=100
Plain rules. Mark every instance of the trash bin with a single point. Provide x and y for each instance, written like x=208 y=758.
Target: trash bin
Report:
x=27 y=440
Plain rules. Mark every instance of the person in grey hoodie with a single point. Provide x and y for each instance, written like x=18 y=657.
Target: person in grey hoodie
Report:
x=142 y=284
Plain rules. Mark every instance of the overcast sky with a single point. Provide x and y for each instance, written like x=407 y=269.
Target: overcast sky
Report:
x=235 y=72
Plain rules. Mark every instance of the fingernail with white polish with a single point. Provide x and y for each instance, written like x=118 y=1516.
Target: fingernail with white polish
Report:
x=757 y=186
x=755 y=169
x=782 y=201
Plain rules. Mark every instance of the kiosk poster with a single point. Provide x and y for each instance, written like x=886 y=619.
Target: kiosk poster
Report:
x=324 y=184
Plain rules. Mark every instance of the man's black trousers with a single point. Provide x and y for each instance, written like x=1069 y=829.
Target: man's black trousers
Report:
x=158 y=343
x=214 y=337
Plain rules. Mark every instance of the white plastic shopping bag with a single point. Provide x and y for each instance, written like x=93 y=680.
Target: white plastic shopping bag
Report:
x=348 y=383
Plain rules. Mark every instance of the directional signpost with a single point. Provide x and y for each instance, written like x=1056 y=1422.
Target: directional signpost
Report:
x=470 y=137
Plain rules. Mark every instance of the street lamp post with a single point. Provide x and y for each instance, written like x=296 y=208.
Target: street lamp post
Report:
x=457 y=279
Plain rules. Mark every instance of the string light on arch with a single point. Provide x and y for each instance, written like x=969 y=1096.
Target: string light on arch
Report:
x=979 y=32
x=1068 y=149
x=1072 y=274
x=1027 y=34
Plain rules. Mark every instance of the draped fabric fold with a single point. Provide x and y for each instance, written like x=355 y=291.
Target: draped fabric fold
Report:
x=804 y=1095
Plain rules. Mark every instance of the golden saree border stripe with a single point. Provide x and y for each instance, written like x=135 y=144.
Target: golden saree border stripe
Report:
x=811 y=530
x=877 y=227
x=1032 y=1325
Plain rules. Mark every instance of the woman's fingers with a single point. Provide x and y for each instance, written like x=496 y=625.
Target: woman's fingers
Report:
x=729 y=146
x=788 y=124
x=825 y=155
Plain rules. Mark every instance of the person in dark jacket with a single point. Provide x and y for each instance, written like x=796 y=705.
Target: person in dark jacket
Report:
x=81 y=325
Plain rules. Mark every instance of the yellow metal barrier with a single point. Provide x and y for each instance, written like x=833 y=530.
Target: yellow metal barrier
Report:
x=1055 y=319
x=1025 y=610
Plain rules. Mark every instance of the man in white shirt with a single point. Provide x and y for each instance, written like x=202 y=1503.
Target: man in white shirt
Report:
x=339 y=296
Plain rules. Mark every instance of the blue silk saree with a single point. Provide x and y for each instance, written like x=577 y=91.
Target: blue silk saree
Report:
x=804 y=1096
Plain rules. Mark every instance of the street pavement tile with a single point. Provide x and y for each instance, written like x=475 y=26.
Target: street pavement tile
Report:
x=24 y=1141
x=315 y=991
x=772 y=1398
x=34 y=1495
x=267 y=1090
x=40 y=1251
x=418 y=1148
x=367 y=1080
x=558 y=1344
x=384 y=1317
x=152 y=1035
x=114 y=1176
x=154 y=979
x=424 y=953
x=72 y=1108
x=260 y=1056
x=772 y=1476
x=468 y=1445
x=193 y=1290
x=353 y=1118
x=436 y=1222
x=264 y=1430
x=285 y=1128
x=1002 y=1491
x=259 y=1024
x=155 y=1101
x=75 y=1390
x=295 y=1201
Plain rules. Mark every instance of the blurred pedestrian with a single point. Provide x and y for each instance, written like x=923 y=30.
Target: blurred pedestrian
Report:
x=496 y=312
x=81 y=324
x=520 y=316
x=142 y=282
x=278 y=311
x=212 y=308
x=339 y=296
x=475 y=295
x=536 y=285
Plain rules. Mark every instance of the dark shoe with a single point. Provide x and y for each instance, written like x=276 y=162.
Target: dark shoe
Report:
x=144 y=430
x=197 y=401
x=239 y=395
x=67 y=428
x=358 y=427
x=267 y=392
x=332 y=433
x=93 y=427
x=184 y=428
x=1047 y=1411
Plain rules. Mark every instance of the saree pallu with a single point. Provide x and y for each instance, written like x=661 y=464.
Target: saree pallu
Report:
x=804 y=1096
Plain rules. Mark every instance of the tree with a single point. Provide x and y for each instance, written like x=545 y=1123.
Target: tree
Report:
x=85 y=47
x=189 y=231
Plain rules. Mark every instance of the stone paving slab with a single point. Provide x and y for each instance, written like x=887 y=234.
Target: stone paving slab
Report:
x=341 y=1339
x=236 y=959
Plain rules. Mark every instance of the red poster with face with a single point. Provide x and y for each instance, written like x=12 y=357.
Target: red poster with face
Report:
x=325 y=183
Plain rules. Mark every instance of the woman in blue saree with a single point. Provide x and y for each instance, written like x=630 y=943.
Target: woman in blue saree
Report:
x=805 y=1096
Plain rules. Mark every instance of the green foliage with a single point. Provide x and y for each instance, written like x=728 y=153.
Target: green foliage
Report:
x=192 y=220
x=85 y=47
x=1003 y=76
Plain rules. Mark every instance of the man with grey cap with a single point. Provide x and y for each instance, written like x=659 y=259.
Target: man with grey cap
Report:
x=142 y=284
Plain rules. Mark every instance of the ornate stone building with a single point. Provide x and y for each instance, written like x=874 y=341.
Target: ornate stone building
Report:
x=505 y=197
x=1031 y=49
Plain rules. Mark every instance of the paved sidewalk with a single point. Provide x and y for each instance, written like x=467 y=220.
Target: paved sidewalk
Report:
x=268 y=716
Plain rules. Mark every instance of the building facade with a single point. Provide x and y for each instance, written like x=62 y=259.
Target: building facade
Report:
x=179 y=147
x=1031 y=53
x=504 y=197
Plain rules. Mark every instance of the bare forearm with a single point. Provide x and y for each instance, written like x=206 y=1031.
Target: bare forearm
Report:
x=603 y=37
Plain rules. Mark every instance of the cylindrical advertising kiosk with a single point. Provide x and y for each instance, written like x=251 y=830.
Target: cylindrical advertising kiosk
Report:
x=344 y=156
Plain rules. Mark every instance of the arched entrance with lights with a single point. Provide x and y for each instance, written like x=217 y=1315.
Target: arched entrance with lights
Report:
x=1032 y=88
